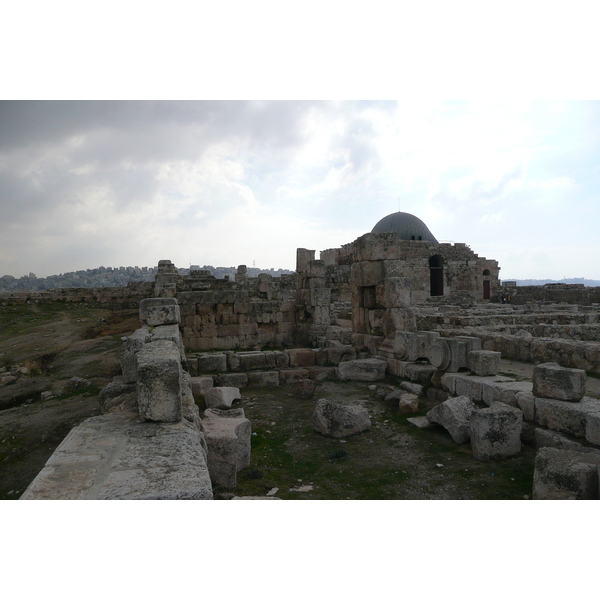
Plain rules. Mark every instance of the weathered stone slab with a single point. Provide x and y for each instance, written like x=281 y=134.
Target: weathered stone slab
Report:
x=228 y=435
x=367 y=369
x=420 y=422
x=552 y=439
x=221 y=397
x=550 y=380
x=159 y=311
x=565 y=475
x=566 y=417
x=263 y=378
x=159 y=382
x=238 y=380
x=496 y=432
x=211 y=362
x=339 y=420
x=114 y=456
x=454 y=415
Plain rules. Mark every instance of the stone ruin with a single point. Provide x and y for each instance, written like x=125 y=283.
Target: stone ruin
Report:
x=392 y=303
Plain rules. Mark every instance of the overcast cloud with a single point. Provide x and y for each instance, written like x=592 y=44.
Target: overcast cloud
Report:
x=84 y=184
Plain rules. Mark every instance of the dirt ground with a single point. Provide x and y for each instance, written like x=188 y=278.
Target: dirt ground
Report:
x=393 y=460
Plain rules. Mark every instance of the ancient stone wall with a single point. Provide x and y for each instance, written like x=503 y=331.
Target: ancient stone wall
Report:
x=554 y=293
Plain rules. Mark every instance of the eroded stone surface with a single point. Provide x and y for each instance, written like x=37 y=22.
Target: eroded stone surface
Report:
x=339 y=420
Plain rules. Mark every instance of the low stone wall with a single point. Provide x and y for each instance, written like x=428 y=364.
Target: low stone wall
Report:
x=113 y=297
x=235 y=319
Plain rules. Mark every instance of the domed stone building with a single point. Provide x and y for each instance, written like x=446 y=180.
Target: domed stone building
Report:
x=398 y=264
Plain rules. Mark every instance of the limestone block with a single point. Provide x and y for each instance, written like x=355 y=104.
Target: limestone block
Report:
x=468 y=386
x=339 y=420
x=171 y=333
x=131 y=346
x=552 y=439
x=408 y=404
x=221 y=397
x=321 y=373
x=496 y=432
x=251 y=360
x=366 y=273
x=368 y=369
x=263 y=378
x=189 y=409
x=503 y=391
x=526 y=402
x=200 y=385
x=565 y=475
x=159 y=311
x=566 y=417
x=159 y=382
x=454 y=415
x=228 y=434
x=292 y=375
x=238 y=380
x=550 y=380
x=396 y=293
x=212 y=362
x=302 y=357
x=337 y=355
x=448 y=382
x=592 y=428
x=484 y=362
x=419 y=373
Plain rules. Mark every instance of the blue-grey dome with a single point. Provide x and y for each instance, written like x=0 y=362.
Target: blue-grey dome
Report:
x=407 y=226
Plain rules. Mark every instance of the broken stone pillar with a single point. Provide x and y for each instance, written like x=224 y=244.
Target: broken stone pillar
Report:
x=228 y=435
x=159 y=381
x=241 y=276
x=550 y=380
x=339 y=420
x=496 y=432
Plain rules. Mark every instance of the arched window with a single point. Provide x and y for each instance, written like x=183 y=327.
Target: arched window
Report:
x=486 y=272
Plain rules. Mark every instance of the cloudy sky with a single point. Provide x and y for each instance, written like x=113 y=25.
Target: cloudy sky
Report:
x=90 y=183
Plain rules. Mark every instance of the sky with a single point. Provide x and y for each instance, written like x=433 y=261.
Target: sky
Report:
x=124 y=183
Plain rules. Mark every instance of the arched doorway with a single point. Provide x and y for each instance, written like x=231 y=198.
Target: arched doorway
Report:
x=436 y=275
x=486 y=284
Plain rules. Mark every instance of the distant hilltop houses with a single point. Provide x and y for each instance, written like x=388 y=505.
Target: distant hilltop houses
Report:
x=114 y=277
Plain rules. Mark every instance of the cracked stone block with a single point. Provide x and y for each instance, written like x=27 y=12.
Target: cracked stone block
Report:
x=454 y=415
x=159 y=311
x=159 y=382
x=496 y=432
x=550 y=380
x=484 y=362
